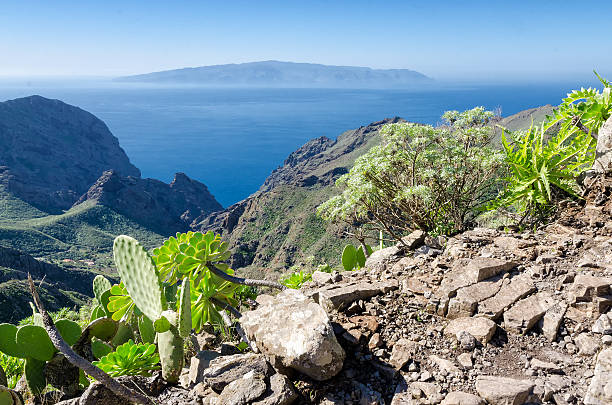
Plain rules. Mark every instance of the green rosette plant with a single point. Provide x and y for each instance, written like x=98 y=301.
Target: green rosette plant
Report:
x=130 y=359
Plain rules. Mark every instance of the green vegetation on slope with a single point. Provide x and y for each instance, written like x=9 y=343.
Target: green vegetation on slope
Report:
x=84 y=232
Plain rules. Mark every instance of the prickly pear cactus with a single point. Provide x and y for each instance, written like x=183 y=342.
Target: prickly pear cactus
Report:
x=35 y=375
x=170 y=346
x=184 y=309
x=35 y=342
x=139 y=275
x=101 y=287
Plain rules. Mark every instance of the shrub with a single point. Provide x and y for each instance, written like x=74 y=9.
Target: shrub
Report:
x=432 y=178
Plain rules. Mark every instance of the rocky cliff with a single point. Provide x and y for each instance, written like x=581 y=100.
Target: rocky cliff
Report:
x=56 y=157
x=52 y=152
x=164 y=208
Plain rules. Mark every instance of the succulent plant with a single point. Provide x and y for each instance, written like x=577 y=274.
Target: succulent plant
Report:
x=141 y=280
x=130 y=359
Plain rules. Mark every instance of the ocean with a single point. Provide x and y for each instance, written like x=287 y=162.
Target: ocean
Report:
x=231 y=139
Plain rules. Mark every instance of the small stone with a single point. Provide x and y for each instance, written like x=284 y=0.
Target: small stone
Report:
x=445 y=365
x=403 y=351
x=545 y=366
x=375 y=341
x=466 y=341
x=465 y=360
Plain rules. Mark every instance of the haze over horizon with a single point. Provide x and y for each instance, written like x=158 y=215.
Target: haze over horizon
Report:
x=445 y=40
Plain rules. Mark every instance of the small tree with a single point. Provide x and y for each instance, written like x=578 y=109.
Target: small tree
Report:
x=431 y=178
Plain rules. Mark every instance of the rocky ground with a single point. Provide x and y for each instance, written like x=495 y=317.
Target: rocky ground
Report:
x=484 y=317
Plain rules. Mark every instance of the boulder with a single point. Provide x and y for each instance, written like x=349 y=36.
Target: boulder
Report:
x=466 y=272
x=603 y=324
x=321 y=277
x=244 y=390
x=380 y=258
x=587 y=345
x=414 y=240
x=294 y=332
x=603 y=152
x=481 y=328
x=467 y=298
x=600 y=389
x=199 y=363
x=585 y=288
x=552 y=320
x=502 y=390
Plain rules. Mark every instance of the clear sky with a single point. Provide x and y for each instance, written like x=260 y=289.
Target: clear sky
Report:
x=443 y=39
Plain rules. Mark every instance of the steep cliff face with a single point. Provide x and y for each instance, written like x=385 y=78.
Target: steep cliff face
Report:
x=164 y=208
x=277 y=226
x=52 y=152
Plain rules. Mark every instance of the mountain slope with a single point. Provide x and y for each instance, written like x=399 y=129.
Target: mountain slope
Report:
x=67 y=188
x=277 y=226
x=62 y=287
x=285 y=74
x=52 y=152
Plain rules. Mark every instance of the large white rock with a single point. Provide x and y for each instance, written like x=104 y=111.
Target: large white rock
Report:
x=603 y=156
x=600 y=390
x=292 y=331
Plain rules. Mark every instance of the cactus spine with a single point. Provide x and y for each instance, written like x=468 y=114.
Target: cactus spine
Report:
x=141 y=279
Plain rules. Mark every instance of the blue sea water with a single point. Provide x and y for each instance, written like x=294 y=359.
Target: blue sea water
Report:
x=231 y=139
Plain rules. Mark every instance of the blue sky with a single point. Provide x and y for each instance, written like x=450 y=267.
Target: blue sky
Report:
x=443 y=39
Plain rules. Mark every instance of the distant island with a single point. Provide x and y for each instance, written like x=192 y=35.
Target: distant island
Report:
x=285 y=74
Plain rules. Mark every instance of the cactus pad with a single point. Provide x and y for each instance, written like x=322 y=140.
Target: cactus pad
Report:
x=102 y=328
x=145 y=327
x=35 y=375
x=8 y=341
x=100 y=349
x=35 y=342
x=184 y=309
x=70 y=330
x=170 y=346
x=139 y=275
x=124 y=333
x=100 y=286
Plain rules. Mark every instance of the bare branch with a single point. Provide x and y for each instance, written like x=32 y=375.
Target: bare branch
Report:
x=78 y=361
x=245 y=281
